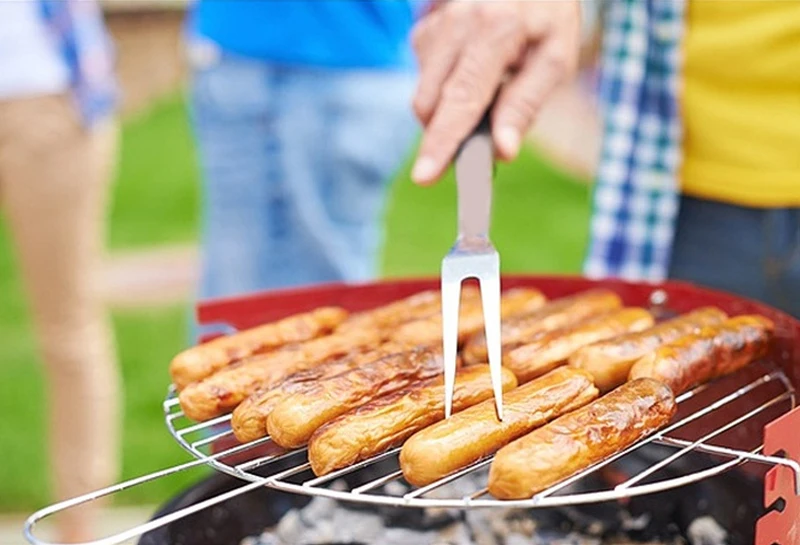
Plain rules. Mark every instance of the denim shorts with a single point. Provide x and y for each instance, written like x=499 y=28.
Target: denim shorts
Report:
x=752 y=252
x=296 y=163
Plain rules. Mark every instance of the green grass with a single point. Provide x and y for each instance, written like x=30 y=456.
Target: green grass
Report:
x=145 y=340
x=156 y=195
x=155 y=201
x=21 y=395
x=539 y=226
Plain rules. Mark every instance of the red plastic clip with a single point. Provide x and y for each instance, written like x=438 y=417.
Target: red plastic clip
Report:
x=781 y=527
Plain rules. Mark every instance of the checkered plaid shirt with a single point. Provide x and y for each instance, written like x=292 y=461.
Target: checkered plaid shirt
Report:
x=636 y=194
x=88 y=52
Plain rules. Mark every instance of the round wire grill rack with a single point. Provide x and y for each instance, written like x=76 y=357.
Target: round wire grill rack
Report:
x=723 y=421
x=253 y=461
x=759 y=399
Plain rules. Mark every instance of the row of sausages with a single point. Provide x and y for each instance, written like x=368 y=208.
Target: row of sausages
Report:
x=214 y=378
x=584 y=377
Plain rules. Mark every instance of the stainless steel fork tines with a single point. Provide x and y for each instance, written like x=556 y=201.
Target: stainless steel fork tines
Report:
x=473 y=256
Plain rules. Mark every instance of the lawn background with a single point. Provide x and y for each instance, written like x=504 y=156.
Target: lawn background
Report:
x=539 y=226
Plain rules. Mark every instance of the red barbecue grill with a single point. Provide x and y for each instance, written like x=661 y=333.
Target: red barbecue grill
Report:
x=747 y=419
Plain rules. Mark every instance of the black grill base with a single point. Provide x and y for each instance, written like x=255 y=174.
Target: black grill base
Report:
x=732 y=500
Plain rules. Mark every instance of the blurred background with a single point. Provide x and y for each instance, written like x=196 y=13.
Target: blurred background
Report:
x=151 y=266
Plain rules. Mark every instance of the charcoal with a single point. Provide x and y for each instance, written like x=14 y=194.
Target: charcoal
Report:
x=686 y=516
x=478 y=521
x=555 y=538
x=405 y=536
x=357 y=526
x=319 y=508
x=517 y=539
x=396 y=488
x=266 y=538
x=706 y=531
x=290 y=527
x=455 y=534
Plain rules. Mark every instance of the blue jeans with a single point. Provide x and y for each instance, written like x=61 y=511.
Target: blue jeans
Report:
x=748 y=251
x=296 y=164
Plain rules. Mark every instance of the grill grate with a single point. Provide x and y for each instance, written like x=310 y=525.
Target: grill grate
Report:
x=711 y=420
x=196 y=439
x=753 y=402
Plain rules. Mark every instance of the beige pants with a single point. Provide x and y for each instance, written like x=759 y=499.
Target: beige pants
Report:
x=54 y=180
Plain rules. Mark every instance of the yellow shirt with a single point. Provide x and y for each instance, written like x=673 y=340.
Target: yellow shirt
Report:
x=741 y=102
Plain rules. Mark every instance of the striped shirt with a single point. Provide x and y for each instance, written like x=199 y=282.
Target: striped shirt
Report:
x=88 y=52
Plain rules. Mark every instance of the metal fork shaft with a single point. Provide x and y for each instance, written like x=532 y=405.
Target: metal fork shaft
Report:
x=451 y=301
x=474 y=180
x=490 y=298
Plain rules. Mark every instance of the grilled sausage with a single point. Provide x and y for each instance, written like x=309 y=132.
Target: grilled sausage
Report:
x=224 y=390
x=429 y=330
x=201 y=361
x=577 y=440
x=552 y=349
x=610 y=361
x=475 y=433
x=297 y=416
x=556 y=314
x=387 y=317
x=249 y=419
x=712 y=352
x=388 y=421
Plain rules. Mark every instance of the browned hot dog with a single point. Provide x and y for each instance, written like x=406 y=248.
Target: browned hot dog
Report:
x=386 y=317
x=712 y=352
x=249 y=419
x=579 y=439
x=388 y=421
x=224 y=390
x=552 y=349
x=475 y=433
x=201 y=361
x=292 y=422
x=556 y=314
x=611 y=360
x=429 y=330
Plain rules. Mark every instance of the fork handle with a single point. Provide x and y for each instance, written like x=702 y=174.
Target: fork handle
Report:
x=474 y=169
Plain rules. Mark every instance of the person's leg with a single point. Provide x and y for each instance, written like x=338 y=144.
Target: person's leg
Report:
x=721 y=246
x=55 y=178
x=783 y=265
x=357 y=129
x=251 y=238
x=747 y=251
x=231 y=106
x=296 y=164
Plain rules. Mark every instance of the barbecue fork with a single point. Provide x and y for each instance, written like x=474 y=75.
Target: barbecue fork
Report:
x=473 y=256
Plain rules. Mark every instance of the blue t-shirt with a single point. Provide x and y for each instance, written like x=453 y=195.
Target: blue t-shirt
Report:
x=328 y=33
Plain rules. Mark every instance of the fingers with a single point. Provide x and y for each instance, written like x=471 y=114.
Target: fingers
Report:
x=521 y=99
x=466 y=93
x=437 y=42
x=465 y=51
x=464 y=98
